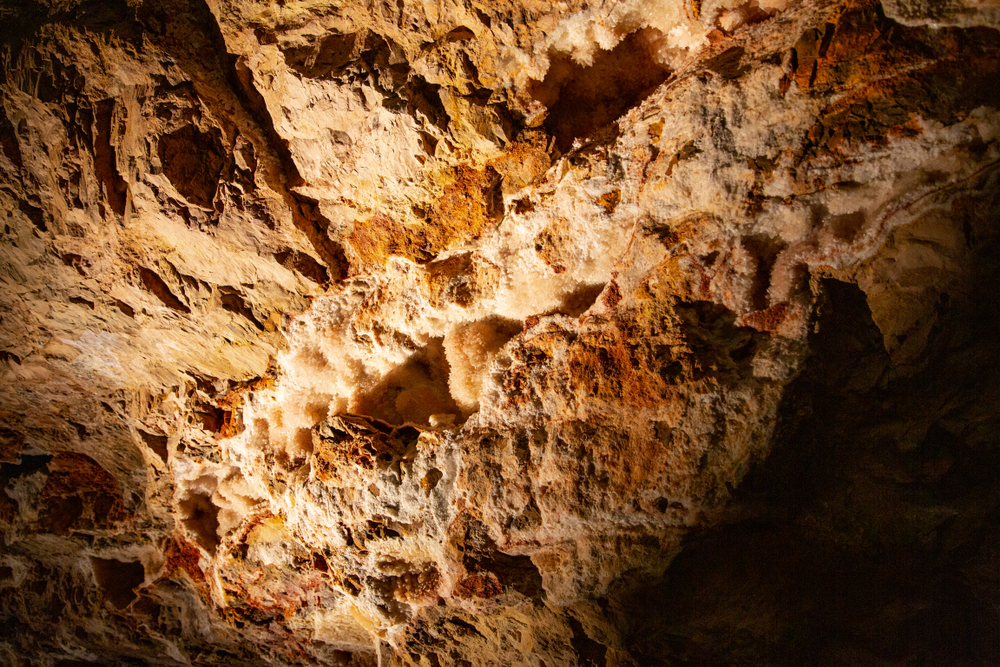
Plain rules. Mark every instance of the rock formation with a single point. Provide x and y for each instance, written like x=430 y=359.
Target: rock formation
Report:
x=449 y=332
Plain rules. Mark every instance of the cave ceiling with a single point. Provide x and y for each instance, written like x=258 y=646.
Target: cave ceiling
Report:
x=499 y=332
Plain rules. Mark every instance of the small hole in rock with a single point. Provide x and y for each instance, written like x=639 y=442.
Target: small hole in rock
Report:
x=117 y=579
x=210 y=418
x=580 y=300
x=847 y=226
x=157 y=443
x=200 y=516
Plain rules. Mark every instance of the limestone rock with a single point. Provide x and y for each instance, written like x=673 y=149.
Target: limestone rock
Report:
x=499 y=333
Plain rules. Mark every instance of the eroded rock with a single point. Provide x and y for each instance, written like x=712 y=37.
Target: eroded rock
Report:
x=451 y=333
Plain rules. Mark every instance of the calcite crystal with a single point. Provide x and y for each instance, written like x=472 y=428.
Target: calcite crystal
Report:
x=449 y=332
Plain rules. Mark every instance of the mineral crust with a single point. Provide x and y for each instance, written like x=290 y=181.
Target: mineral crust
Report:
x=508 y=332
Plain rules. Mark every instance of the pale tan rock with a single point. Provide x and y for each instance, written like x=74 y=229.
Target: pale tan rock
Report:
x=430 y=332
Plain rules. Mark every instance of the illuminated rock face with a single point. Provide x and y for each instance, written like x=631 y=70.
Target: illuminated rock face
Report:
x=510 y=333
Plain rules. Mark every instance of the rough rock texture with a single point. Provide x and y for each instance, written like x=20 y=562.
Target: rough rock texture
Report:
x=652 y=332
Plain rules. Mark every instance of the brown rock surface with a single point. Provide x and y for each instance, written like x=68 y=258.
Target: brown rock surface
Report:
x=649 y=332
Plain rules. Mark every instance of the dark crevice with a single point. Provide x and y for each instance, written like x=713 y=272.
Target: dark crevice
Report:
x=765 y=251
x=34 y=214
x=200 y=516
x=157 y=443
x=592 y=653
x=234 y=302
x=155 y=284
x=210 y=417
x=125 y=308
x=105 y=163
x=293 y=260
x=8 y=141
x=305 y=213
x=117 y=579
x=582 y=100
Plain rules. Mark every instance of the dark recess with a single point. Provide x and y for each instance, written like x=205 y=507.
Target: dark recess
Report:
x=845 y=547
x=201 y=516
x=294 y=260
x=105 y=162
x=234 y=302
x=117 y=579
x=581 y=100
x=156 y=442
x=592 y=653
x=480 y=554
x=193 y=161
x=155 y=284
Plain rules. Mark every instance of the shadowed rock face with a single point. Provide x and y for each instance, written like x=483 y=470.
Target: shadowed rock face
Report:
x=613 y=333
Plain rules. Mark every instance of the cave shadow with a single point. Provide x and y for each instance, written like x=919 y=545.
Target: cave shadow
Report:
x=583 y=99
x=413 y=391
x=848 y=548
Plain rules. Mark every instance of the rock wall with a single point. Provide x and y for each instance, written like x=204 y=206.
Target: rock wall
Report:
x=650 y=332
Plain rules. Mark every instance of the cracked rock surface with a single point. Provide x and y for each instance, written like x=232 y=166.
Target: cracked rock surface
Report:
x=427 y=333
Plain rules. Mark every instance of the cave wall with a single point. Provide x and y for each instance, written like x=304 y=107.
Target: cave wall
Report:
x=653 y=332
